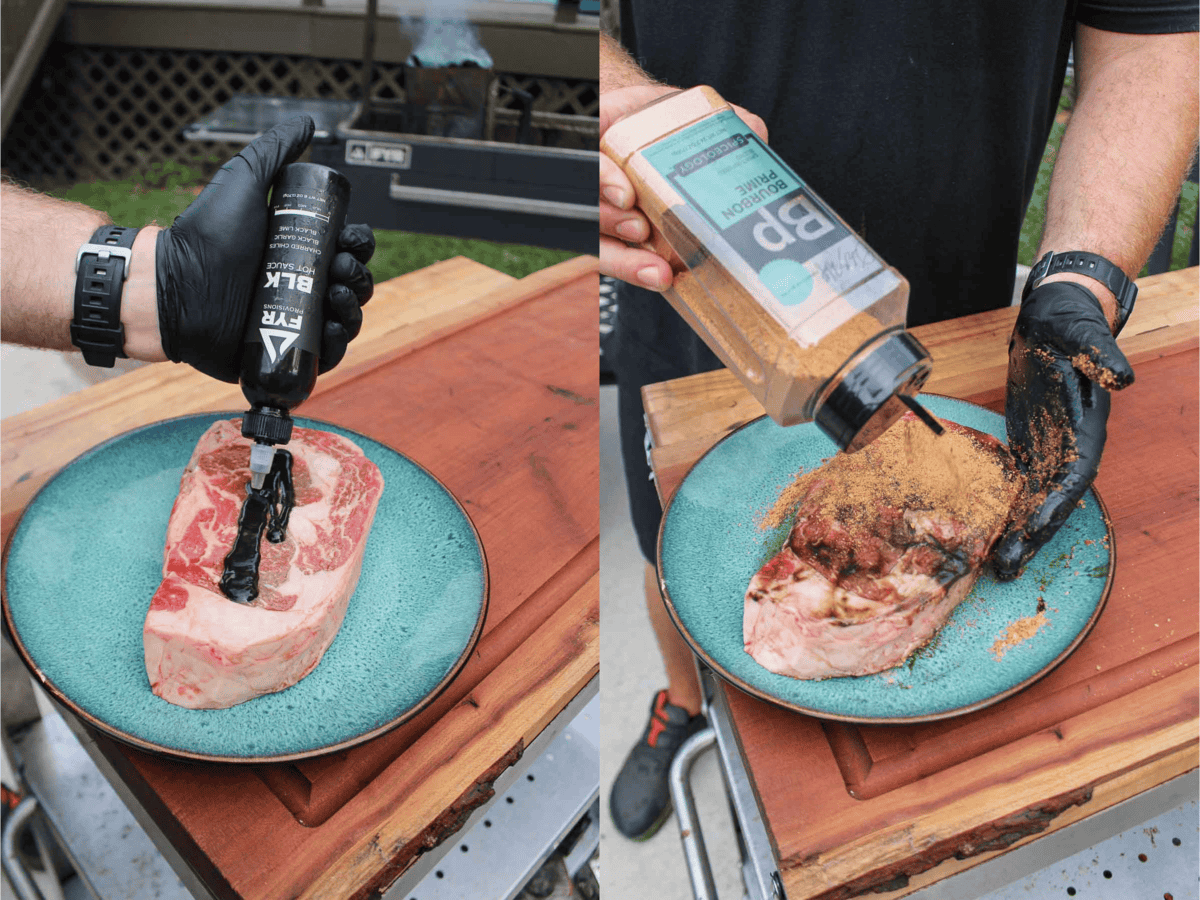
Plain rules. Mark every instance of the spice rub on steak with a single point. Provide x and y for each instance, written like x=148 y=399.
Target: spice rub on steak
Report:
x=886 y=542
x=203 y=651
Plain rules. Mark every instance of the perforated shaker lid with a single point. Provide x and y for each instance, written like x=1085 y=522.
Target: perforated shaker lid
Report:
x=866 y=398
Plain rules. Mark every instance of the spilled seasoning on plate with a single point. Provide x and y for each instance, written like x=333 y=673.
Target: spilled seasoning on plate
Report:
x=1018 y=632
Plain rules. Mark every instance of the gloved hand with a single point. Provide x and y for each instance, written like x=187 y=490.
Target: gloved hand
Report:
x=1062 y=362
x=207 y=262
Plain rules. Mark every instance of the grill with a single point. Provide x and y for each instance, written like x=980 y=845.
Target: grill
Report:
x=454 y=151
x=111 y=113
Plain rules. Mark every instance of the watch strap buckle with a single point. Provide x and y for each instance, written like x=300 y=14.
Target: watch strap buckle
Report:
x=105 y=251
x=101 y=270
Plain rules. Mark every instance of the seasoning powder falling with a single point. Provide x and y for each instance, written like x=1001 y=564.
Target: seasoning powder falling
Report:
x=912 y=468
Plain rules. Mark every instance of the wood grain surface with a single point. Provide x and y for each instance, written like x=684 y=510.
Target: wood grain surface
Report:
x=890 y=809
x=491 y=384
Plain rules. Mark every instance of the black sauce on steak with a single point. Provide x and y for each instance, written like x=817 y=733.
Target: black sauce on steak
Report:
x=266 y=509
x=854 y=558
x=953 y=563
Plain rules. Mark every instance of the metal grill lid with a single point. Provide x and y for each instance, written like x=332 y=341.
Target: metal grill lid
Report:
x=245 y=116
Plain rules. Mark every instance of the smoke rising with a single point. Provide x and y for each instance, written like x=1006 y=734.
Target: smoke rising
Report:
x=443 y=36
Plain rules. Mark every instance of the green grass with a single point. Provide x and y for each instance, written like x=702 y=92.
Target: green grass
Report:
x=165 y=191
x=397 y=252
x=1187 y=225
x=157 y=197
x=1035 y=213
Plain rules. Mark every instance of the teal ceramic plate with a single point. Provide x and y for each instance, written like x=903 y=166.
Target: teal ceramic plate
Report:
x=86 y=557
x=710 y=544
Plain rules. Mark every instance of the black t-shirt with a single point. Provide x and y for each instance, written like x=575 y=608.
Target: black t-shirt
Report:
x=922 y=124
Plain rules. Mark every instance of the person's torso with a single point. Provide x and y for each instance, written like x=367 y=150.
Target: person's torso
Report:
x=922 y=125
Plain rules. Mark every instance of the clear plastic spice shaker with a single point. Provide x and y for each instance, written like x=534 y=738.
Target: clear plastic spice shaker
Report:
x=777 y=284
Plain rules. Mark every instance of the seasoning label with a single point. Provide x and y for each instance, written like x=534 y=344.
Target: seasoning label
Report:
x=764 y=212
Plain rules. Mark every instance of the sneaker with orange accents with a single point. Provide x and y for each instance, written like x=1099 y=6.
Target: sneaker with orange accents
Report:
x=640 y=800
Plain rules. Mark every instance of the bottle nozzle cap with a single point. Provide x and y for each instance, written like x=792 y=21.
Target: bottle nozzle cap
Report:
x=261 y=457
x=867 y=397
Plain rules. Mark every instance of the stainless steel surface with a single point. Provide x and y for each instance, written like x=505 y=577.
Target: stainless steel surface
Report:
x=500 y=202
x=505 y=844
x=106 y=846
x=191 y=881
x=694 y=854
x=527 y=153
x=1082 y=858
x=588 y=842
x=427 y=862
x=245 y=117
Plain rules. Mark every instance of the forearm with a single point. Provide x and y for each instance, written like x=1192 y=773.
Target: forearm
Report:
x=618 y=69
x=1126 y=149
x=624 y=88
x=40 y=238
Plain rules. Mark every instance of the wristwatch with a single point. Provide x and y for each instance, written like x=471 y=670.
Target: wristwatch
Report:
x=101 y=267
x=1093 y=266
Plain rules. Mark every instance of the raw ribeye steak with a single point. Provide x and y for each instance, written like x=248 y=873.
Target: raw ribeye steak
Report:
x=203 y=650
x=886 y=542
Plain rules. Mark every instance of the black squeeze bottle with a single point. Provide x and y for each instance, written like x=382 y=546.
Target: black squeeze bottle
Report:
x=283 y=332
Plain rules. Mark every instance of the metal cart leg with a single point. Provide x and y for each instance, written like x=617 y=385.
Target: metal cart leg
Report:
x=13 y=867
x=760 y=869
x=694 y=853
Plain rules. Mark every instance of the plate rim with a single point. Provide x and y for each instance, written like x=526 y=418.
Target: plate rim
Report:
x=766 y=696
x=140 y=743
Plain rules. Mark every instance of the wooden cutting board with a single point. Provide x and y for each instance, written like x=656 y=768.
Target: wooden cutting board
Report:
x=856 y=809
x=491 y=384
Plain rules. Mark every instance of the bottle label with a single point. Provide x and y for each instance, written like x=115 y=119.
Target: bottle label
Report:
x=764 y=213
x=292 y=286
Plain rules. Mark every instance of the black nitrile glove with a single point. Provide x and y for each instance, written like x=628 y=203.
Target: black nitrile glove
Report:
x=1061 y=360
x=207 y=263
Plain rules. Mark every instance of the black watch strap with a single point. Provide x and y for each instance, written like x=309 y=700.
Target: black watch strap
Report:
x=101 y=267
x=1093 y=266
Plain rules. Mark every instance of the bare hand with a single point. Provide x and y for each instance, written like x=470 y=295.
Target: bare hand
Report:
x=621 y=223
